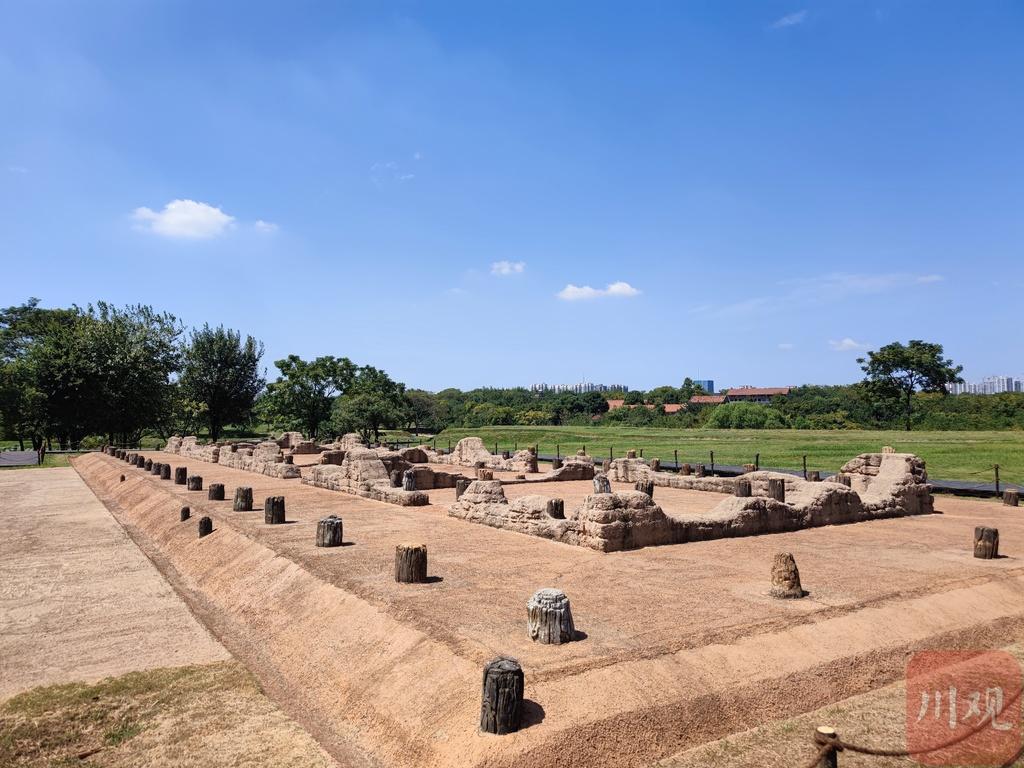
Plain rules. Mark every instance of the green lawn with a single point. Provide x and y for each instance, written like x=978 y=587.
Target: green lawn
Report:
x=949 y=455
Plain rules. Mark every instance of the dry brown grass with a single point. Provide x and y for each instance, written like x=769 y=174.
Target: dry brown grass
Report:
x=209 y=715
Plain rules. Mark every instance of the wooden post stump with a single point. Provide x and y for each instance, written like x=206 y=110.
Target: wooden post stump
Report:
x=140 y=461
x=602 y=484
x=824 y=735
x=122 y=478
x=645 y=486
x=556 y=464
x=273 y=510
x=606 y=466
x=686 y=469
x=243 y=499
x=655 y=465
x=888 y=449
x=395 y=476
x=556 y=508
x=786 y=577
x=185 y=514
x=148 y=465
x=460 y=486
x=165 y=471
x=749 y=468
x=742 y=488
x=777 y=488
x=180 y=475
x=631 y=454
x=194 y=482
x=411 y=563
x=501 y=710
x=155 y=469
x=549 y=618
x=289 y=459
x=699 y=470
x=205 y=526
x=506 y=455
x=531 y=465
x=328 y=532
x=1011 y=498
x=484 y=474
x=986 y=542
x=814 y=476
x=409 y=480
x=844 y=479
x=216 y=492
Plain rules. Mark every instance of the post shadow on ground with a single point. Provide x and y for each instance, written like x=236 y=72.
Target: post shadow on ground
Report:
x=533 y=714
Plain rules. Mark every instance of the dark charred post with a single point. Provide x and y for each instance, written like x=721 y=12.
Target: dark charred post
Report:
x=986 y=542
x=194 y=482
x=460 y=487
x=506 y=455
x=556 y=464
x=757 y=461
x=501 y=710
x=686 y=469
x=484 y=474
x=328 y=532
x=140 y=461
x=786 y=577
x=395 y=476
x=289 y=459
x=155 y=468
x=1011 y=497
x=822 y=737
x=805 y=467
x=411 y=563
x=165 y=471
x=122 y=478
x=777 y=488
x=602 y=484
x=216 y=492
x=147 y=465
x=814 y=476
x=645 y=486
x=549 y=618
x=655 y=465
x=243 y=499
x=273 y=510
x=205 y=526
x=631 y=454
x=556 y=508
x=844 y=479
x=185 y=514
x=180 y=475
x=409 y=480
x=742 y=488
x=699 y=470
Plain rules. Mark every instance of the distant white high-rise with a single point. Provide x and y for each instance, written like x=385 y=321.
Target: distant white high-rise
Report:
x=579 y=388
x=990 y=385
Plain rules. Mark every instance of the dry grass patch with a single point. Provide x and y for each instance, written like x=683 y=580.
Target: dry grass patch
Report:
x=209 y=715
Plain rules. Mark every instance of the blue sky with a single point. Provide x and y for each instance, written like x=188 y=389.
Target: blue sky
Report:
x=500 y=193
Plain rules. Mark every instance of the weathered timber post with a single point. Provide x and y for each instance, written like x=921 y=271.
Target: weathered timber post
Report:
x=699 y=470
x=501 y=710
x=686 y=469
x=216 y=492
x=328 y=532
x=180 y=475
x=483 y=473
x=777 y=488
x=460 y=486
x=243 y=499
x=273 y=510
x=155 y=468
x=824 y=736
x=549 y=618
x=185 y=514
x=606 y=466
x=532 y=464
x=165 y=471
x=1011 y=497
x=814 y=476
x=844 y=479
x=395 y=477
x=140 y=462
x=556 y=464
x=742 y=488
x=556 y=508
x=411 y=563
x=645 y=486
x=986 y=542
x=194 y=483
x=785 y=577
x=602 y=484
x=506 y=455
x=122 y=478
x=289 y=459
x=655 y=465
x=409 y=480
x=749 y=468
x=148 y=465
x=205 y=526
x=631 y=453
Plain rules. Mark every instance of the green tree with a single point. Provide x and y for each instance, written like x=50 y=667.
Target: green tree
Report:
x=221 y=372
x=634 y=397
x=373 y=401
x=423 y=412
x=302 y=396
x=745 y=416
x=895 y=372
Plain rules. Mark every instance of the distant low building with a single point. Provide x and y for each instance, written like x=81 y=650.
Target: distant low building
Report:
x=668 y=407
x=707 y=399
x=755 y=394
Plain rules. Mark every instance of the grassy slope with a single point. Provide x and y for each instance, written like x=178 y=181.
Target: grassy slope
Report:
x=950 y=455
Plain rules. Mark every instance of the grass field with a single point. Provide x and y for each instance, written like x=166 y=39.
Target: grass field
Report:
x=949 y=455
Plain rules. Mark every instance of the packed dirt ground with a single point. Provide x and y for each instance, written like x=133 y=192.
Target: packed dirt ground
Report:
x=681 y=644
x=101 y=661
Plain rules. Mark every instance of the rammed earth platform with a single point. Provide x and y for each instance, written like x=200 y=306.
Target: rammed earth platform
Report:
x=682 y=642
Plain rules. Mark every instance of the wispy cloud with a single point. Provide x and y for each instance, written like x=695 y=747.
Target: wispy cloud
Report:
x=506 y=268
x=790 y=20
x=19 y=169
x=583 y=292
x=389 y=170
x=848 y=345
x=785 y=346
x=266 y=227
x=930 y=279
x=184 y=219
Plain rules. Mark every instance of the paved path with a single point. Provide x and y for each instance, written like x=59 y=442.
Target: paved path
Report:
x=78 y=599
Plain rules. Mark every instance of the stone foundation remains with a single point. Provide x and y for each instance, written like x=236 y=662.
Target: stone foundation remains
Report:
x=363 y=473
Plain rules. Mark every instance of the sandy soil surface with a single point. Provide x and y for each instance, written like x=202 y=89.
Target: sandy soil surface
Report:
x=682 y=644
x=78 y=600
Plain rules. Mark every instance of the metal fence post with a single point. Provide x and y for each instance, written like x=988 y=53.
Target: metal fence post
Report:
x=712 y=463
x=805 y=466
x=996 y=467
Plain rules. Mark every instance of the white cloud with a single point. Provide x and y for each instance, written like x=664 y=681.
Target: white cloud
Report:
x=786 y=346
x=930 y=279
x=847 y=345
x=266 y=227
x=506 y=268
x=19 y=169
x=582 y=292
x=417 y=155
x=790 y=20
x=185 y=219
